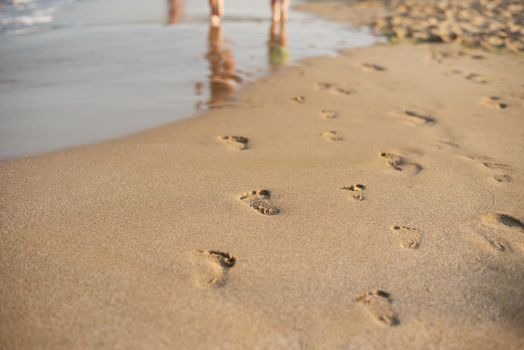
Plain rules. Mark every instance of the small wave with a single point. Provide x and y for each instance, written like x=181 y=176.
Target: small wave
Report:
x=23 y=16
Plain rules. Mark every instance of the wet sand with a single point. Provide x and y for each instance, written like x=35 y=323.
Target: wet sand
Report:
x=368 y=201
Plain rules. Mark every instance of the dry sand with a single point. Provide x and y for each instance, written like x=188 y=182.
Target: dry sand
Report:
x=373 y=201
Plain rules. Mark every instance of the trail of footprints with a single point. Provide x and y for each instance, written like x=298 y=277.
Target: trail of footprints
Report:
x=211 y=266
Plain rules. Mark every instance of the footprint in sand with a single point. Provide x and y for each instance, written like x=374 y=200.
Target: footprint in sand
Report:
x=378 y=304
x=437 y=56
x=496 y=166
x=328 y=114
x=211 y=267
x=324 y=86
x=408 y=237
x=499 y=167
x=473 y=77
x=400 y=163
x=490 y=240
x=413 y=117
x=494 y=241
x=498 y=232
x=476 y=78
x=498 y=220
x=370 y=67
x=299 y=99
x=235 y=142
x=343 y=90
x=334 y=88
x=259 y=200
x=500 y=172
x=356 y=191
x=494 y=102
x=503 y=178
x=331 y=135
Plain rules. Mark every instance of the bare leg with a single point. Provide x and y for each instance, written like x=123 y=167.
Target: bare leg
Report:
x=175 y=11
x=220 y=8
x=284 y=4
x=212 y=7
x=275 y=13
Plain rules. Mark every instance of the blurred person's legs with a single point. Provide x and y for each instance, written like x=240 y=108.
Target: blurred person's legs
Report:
x=279 y=9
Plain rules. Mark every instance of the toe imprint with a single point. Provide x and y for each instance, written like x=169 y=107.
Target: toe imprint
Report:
x=211 y=267
x=495 y=241
x=236 y=142
x=487 y=234
x=299 y=99
x=260 y=201
x=334 y=88
x=378 y=304
x=414 y=117
x=476 y=78
x=408 y=237
x=400 y=163
x=393 y=160
x=331 y=135
x=494 y=102
x=503 y=178
x=357 y=191
x=343 y=90
x=496 y=166
x=370 y=67
x=324 y=86
x=328 y=114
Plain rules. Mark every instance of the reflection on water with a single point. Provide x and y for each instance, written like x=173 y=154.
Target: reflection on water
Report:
x=136 y=73
x=222 y=77
x=277 y=44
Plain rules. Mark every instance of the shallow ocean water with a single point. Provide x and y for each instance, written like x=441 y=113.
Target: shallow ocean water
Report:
x=107 y=68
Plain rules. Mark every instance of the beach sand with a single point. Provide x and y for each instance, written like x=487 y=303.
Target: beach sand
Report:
x=369 y=201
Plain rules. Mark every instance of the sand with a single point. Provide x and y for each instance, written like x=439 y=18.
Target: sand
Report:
x=369 y=201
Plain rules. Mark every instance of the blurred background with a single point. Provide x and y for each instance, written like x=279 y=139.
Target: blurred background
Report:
x=80 y=71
